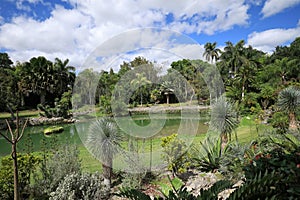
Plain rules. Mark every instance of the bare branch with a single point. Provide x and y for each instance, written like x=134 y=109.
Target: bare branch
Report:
x=10 y=131
x=23 y=129
x=6 y=137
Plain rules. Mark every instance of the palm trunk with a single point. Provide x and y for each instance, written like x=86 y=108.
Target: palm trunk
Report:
x=224 y=140
x=107 y=172
x=293 y=122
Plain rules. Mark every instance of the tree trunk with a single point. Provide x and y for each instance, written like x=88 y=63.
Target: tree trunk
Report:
x=43 y=97
x=151 y=154
x=224 y=140
x=141 y=99
x=107 y=172
x=293 y=122
x=15 y=165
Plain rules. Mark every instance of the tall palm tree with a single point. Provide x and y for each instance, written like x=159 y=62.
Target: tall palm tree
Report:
x=289 y=101
x=223 y=119
x=65 y=75
x=140 y=83
x=211 y=52
x=103 y=142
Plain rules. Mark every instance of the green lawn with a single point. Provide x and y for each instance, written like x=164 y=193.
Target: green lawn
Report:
x=24 y=113
x=246 y=132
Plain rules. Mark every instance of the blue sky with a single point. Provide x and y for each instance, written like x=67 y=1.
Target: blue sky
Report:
x=74 y=28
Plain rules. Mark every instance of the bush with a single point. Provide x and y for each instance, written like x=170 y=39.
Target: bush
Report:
x=175 y=154
x=54 y=169
x=209 y=155
x=80 y=186
x=26 y=164
x=278 y=163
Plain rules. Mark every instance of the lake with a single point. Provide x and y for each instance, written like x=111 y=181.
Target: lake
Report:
x=142 y=127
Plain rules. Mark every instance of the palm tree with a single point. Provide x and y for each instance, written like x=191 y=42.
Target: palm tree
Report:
x=289 y=101
x=104 y=141
x=223 y=119
x=140 y=84
x=211 y=52
x=65 y=75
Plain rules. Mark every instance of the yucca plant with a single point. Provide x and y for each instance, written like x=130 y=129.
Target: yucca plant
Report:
x=223 y=119
x=289 y=101
x=103 y=141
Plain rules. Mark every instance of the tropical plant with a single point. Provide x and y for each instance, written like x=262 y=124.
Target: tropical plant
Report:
x=211 y=52
x=180 y=193
x=289 y=101
x=64 y=75
x=223 y=119
x=175 y=154
x=103 y=141
x=208 y=157
x=140 y=84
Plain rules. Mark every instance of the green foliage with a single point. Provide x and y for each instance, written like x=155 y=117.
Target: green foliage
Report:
x=53 y=170
x=289 y=99
x=224 y=117
x=61 y=109
x=180 y=193
x=209 y=155
x=233 y=160
x=80 y=186
x=280 y=121
x=281 y=174
x=175 y=154
x=27 y=163
x=261 y=186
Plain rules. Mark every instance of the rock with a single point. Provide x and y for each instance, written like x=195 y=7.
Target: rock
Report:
x=53 y=129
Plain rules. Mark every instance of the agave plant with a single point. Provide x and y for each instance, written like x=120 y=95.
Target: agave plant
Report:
x=103 y=142
x=289 y=101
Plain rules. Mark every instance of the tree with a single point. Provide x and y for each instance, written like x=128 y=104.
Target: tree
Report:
x=211 y=52
x=8 y=84
x=103 y=141
x=64 y=75
x=223 y=119
x=140 y=84
x=13 y=139
x=289 y=101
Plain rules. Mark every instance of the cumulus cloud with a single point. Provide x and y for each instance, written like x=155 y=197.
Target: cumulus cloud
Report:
x=269 y=39
x=272 y=7
x=78 y=31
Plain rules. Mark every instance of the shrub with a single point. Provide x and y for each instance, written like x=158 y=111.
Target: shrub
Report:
x=54 y=169
x=175 y=154
x=209 y=155
x=26 y=164
x=80 y=186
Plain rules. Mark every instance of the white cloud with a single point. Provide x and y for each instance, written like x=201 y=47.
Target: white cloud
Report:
x=272 y=7
x=77 y=32
x=269 y=39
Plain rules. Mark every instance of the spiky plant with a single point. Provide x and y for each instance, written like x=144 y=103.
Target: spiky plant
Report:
x=289 y=101
x=103 y=142
x=223 y=119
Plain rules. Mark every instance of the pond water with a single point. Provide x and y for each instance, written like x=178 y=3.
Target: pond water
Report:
x=34 y=139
